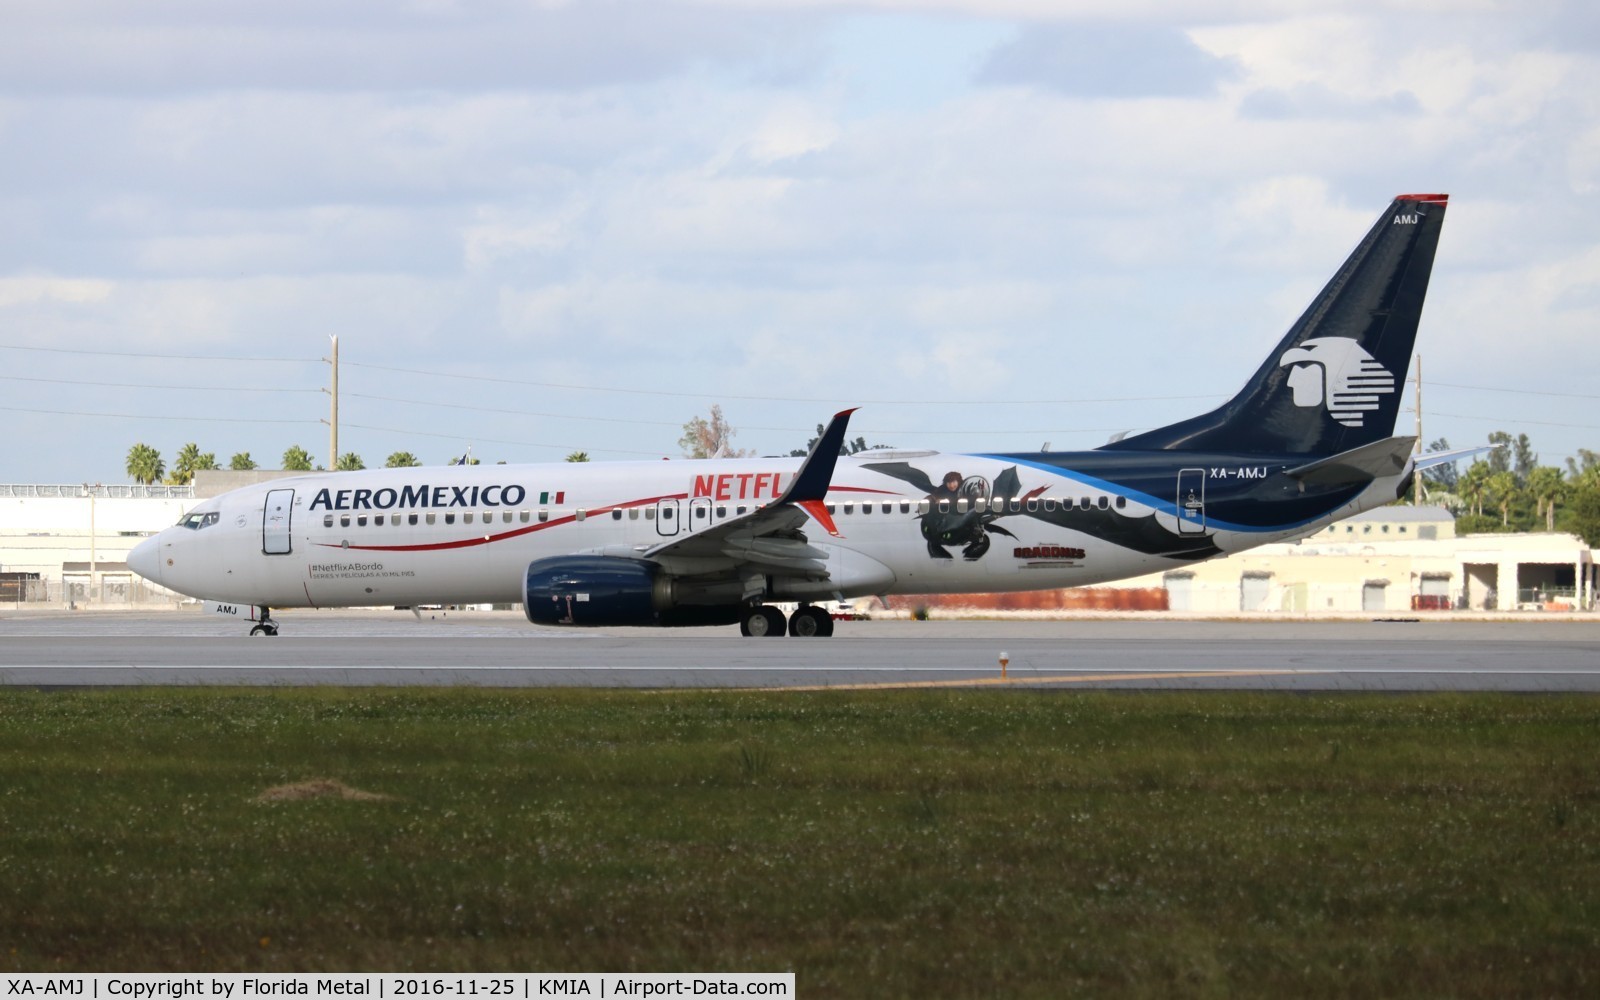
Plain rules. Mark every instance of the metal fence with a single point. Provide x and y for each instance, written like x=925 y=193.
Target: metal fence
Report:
x=73 y=490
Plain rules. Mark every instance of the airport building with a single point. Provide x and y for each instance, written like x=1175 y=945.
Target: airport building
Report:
x=67 y=546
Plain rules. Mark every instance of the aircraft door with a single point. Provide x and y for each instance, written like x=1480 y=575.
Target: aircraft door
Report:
x=1192 y=502
x=699 y=514
x=666 y=517
x=275 y=518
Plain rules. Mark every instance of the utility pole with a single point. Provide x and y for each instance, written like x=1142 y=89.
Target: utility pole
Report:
x=1416 y=484
x=333 y=414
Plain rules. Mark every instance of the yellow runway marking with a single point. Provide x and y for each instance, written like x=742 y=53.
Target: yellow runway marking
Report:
x=1060 y=679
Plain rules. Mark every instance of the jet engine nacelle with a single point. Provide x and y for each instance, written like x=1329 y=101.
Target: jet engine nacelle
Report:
x=610 y=590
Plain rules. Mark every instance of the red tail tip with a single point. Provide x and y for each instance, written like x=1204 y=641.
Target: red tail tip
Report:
x=1429 y=199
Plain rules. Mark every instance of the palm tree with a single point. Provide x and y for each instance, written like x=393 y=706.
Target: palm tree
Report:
x=145 y=465
x=297 y=459
x=351 y=462
x=242 y=462
x=190 y=460
x=1502 y=489
x=578 y=456
x=1472 y=483
x=1547 y=487
x=402 y=460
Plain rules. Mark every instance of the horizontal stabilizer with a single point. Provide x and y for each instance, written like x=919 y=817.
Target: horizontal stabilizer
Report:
x=1358 y=465
x=1428 y=460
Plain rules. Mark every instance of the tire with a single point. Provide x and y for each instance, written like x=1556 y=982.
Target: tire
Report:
x=762 y=621
x=808 y=622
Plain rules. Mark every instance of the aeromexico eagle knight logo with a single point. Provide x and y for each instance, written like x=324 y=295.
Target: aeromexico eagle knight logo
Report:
x=1337 y=373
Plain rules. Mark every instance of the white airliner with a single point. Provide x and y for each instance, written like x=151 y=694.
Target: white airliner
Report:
x=1307 y=441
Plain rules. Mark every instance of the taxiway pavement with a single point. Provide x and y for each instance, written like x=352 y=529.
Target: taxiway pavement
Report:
x=68 y=649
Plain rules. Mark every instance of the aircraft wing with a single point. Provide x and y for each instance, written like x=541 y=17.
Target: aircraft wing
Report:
x=767 y=539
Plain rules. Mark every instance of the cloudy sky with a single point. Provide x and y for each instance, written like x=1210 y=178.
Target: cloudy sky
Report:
x=539 y=226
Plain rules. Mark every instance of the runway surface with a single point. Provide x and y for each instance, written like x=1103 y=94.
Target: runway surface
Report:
x=66 y=649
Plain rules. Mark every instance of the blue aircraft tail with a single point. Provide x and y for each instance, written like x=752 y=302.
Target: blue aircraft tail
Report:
x=1333 y=383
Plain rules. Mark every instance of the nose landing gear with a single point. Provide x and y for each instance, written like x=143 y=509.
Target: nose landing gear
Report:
x=265 y=625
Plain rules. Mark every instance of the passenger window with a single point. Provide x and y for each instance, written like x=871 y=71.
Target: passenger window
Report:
x=699 y=512
x=377 y=519
x=432 y=517
x=633 y=513
x=961 y=505
x=666 y=513
x=505 y=516
x=450 y=518
x=866 y=508
x=361 y=520
x=649 y=513
x=581 y=514
x=849 y=509
x=1049 y=503
x=466 y=518
x=888 y=508
x=722 y=512
x=1016 y=504
x=922 y=506
x=1122 y=502
x=1033 y=505
x=411 y=519
x=1104 y=503
x=544 y=515
x=616 y=515
x=830 y=509
x=905 y=506
x=344 y=520
x=1085 y=503
x=980 y=504
x=944 y=506
x=742 y=509
x=525 y=516
x=327 y=521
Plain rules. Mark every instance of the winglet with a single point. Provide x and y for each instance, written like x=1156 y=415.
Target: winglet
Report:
x=810 y=486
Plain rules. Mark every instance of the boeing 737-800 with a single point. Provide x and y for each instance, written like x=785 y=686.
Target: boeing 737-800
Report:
x=1307 y=441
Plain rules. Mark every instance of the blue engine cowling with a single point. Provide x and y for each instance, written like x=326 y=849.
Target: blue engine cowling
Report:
x=609 y=590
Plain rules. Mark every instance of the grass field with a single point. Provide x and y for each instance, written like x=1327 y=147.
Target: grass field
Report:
x=897 y=843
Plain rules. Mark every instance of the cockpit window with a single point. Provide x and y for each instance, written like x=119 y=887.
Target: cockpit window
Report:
x=195 y=520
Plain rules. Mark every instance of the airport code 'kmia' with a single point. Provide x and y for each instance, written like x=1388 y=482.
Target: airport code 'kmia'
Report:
x=246 y=986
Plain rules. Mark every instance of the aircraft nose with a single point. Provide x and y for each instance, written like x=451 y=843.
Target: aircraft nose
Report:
x=145 y=559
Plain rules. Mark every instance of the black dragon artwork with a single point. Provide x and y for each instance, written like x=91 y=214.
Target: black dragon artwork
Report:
x=971 y=528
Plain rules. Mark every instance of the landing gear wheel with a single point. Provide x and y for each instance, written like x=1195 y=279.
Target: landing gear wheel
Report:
x=763 y=620
x=809 y=621
x=265 y=625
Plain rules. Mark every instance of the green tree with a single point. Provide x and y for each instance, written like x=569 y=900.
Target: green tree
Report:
x=1584 y=507
x=1500 y=458
x=1443 y=476
x=1501 y=489
x=845 y=448
x=710 y=437
x=145 y=465
x=351 y=462
x=297 y=459
x=1524 y=459
x=1472 y=484
x=1547 y=487
x=242 y=462
x=189 y=461
x=401 y=460
x=578 y=456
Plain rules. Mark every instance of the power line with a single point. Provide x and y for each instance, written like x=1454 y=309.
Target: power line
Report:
x=144 y=385
x=151 y=416
x=769 y=398
x=1519 y=392
x=164 y=357
x=1513 y=422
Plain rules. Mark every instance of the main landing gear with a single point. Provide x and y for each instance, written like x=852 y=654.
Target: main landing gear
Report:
x=765 y=619
x=265 y=625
